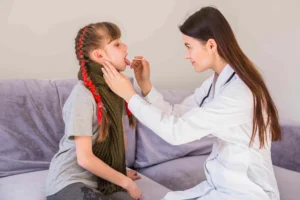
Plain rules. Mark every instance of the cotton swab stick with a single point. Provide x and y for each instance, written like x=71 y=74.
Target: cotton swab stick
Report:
x=139 y=59
x=145 y=60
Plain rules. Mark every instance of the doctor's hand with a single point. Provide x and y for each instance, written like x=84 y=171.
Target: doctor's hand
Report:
x=117 y=82
x=141 y=69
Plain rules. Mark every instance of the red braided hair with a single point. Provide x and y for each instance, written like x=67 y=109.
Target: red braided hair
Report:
x=87 y=81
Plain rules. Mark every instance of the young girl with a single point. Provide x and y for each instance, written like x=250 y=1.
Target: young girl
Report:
x=233 y=106
x=90 y=163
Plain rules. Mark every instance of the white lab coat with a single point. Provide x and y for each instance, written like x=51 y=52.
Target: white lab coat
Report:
x=233 y=170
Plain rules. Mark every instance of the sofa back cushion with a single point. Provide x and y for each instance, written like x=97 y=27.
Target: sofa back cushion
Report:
x=286 y=153
x=152 y=150
x=31 y=124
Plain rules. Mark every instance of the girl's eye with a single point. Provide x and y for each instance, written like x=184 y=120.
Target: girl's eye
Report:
x=117 y=45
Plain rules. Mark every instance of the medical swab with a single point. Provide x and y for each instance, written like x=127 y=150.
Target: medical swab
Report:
x=145 y=60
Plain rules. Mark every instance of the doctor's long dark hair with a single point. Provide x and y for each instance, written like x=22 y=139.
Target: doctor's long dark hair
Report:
x=209 y=23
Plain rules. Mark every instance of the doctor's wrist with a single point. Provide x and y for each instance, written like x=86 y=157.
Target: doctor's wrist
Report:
x=146 y=89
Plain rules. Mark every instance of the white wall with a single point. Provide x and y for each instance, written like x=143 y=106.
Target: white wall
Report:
x=37 y=39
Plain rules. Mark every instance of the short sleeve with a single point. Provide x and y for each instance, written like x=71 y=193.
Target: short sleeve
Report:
x=78 y=114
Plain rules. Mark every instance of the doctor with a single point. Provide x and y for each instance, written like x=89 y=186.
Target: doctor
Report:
x=233 y=106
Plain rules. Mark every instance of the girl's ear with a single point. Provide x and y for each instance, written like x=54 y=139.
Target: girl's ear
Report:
x=98 y=55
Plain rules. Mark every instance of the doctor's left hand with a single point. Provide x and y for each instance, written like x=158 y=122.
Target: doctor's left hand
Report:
x=117 y=82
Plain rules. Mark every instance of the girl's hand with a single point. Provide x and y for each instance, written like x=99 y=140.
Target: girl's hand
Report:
x=133 y=190
x=118 y=82
x=133 y=174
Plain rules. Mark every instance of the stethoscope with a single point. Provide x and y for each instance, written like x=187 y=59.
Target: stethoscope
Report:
x=211 y=87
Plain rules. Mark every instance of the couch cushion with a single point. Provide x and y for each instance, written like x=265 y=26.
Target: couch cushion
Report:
x=146 y=139
x=30 y=186
x=31 y=124
x=131 y=143
x=286 y=153
x=178 y=174
x=185 y=173
x=288 y=183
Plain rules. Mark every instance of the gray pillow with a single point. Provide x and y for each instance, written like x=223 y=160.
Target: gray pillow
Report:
x=152 y=150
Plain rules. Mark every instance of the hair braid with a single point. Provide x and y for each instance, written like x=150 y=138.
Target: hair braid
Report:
x=103 y=119
x=83 y=45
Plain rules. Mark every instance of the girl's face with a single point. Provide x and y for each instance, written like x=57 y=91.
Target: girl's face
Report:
x=200 y=55
x=115 y=52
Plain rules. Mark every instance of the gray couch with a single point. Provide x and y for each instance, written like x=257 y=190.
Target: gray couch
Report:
x=31 y=126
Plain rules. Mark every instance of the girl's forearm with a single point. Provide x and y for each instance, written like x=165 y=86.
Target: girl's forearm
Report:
x=101 y=169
